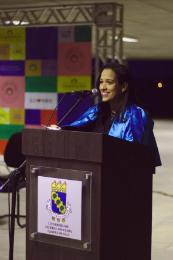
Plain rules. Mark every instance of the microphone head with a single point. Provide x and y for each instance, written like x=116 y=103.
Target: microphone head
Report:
x=95 y=92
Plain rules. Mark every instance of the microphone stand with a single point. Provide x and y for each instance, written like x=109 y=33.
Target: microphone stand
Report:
x=75 y=105
x=13 y=179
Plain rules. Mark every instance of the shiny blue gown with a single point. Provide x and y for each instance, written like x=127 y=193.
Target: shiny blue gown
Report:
x=138 y=126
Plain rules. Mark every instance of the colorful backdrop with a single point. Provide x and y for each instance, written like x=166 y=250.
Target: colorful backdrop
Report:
x=37 y=65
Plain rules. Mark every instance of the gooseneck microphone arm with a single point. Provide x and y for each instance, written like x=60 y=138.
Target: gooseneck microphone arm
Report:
x=75 y=105
x=83 y=93
x=54 y=111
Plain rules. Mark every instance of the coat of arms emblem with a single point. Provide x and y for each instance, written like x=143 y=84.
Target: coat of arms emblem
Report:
x=57 y=206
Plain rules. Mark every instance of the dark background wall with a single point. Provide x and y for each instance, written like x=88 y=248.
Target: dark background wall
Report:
x=147 y=74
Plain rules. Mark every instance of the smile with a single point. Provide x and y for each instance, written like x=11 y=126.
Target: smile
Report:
x=105 y=94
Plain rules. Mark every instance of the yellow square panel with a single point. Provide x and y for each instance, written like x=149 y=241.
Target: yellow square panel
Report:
x=17 y=51
x=33 y=68
x=11 y=35
x=73 y=83
x=17 y=116
x=4 y=116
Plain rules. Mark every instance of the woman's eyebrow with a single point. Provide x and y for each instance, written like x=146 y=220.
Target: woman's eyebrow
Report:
x=108 y=79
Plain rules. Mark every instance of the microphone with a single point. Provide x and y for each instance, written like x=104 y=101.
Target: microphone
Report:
x=93 y=92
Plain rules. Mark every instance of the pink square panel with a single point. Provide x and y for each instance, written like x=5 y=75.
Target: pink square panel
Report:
x=12 y=92
x=74 y=59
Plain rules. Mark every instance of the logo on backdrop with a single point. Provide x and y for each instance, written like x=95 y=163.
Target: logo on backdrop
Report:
x=41 y=100
x=10 y=34
x=9 y=92
x=33 y=67
x=83 y=33
x=74 y=83
x=66 y=33
x=18 y=51
x=74 y=59
x=57 y=206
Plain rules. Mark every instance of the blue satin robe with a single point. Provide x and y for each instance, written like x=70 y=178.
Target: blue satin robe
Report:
x=138 y=127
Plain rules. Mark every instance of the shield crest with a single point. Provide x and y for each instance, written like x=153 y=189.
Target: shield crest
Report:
x=58 y=196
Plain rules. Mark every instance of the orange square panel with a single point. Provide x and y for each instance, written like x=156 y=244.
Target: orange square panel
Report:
x=45 y=115
x=3 y=144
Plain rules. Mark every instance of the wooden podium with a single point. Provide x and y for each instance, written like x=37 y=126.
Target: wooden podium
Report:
x=121 y=192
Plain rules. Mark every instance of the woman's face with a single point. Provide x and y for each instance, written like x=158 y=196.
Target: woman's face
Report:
x=109 y=87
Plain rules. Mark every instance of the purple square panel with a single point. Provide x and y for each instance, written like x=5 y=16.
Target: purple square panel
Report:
x=49 y=68
x=41 y=43
x=32 y=117
x=12 y=68
x=67 y=104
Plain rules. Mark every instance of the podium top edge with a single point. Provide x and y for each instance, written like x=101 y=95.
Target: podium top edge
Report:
x=91 y=147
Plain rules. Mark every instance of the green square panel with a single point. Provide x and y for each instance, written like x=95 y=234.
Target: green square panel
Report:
x=40 y=84
x=83 y=33
x=8 y=130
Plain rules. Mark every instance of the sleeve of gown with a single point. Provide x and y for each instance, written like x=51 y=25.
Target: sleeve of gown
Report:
x=149 y=139
x=84 y=121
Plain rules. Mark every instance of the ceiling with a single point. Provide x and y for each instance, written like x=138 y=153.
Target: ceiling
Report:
x=149 y=21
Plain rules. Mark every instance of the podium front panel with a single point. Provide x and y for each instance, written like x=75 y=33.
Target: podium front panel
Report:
x=60 y=207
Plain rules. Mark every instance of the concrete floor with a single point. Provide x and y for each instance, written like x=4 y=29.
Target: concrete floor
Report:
x=162 y=237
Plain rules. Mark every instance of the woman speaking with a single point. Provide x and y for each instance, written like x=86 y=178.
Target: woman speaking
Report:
x=118 y=113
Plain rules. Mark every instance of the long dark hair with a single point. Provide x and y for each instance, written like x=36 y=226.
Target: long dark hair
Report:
x=123 y=75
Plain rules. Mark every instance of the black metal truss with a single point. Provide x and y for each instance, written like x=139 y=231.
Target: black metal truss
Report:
x=107 y=18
